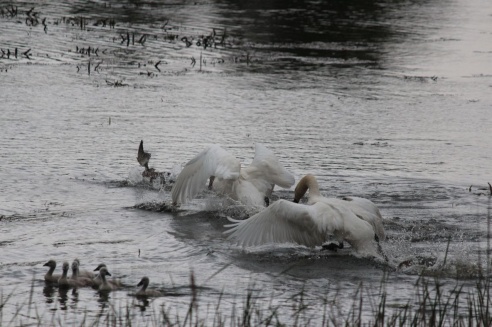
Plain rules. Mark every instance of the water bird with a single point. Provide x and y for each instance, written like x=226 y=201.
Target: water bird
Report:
x=144 y=292
x=105 y=285
x=482 y=189
x=186 y=41
x=77 y=278
x=143 y=157
x=83 y=272
x=64 y=281
x=251 y=185
x=311 y=224
x=98 y=280
x=49 y=277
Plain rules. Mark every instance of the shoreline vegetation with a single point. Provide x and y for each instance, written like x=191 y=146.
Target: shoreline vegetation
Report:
x=433 y=303
x=434 y=300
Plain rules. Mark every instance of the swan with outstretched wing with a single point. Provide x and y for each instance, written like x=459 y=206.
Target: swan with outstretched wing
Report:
x=251 y=185
x=313 y=224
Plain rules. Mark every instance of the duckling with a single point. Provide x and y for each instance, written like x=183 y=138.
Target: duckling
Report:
x=49 y=277
x=144 y=292
x=80 y=280
x=105 y=286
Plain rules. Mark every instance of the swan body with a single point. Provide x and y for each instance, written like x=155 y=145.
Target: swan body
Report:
x=49 y=277
x=64 y=281
x=105 y=286
x=362 y=208
x=250 y=185
x=76 y=277
x=308 y=224
x=98 y=280
x=144 y=292
x=83 y=272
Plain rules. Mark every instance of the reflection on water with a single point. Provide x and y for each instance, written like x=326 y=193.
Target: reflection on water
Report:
x=48 y=292
x=63 y=297
x=103 y=299
x=142 y=304
x=387 y=100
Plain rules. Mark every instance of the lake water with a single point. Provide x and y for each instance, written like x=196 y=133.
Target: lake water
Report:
x=387 y=100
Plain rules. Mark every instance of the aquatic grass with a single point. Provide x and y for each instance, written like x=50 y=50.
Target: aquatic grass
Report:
x=436 y=301
x=432 y=305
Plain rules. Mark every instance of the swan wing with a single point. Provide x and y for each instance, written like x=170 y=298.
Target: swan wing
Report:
x=286 y=222
x=266 y=167
x=368 y=211
x=213 y=161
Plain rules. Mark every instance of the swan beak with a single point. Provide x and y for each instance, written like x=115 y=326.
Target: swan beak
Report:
x=107 y=273
x=46 y=264
x=140 y=283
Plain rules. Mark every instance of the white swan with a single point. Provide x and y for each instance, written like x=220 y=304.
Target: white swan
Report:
x=144 y=292
x=362 y=208
x=309 y=224
x=251 y=185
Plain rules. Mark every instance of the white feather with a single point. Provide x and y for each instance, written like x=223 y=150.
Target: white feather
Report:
x=308 y=224
x=249 y=185
x=213 y=161
x=364 y=209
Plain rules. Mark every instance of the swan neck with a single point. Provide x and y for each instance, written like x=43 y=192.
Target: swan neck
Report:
x=50 y=272
x=308 y=182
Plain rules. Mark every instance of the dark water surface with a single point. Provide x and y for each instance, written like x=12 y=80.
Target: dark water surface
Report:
x=388 y=100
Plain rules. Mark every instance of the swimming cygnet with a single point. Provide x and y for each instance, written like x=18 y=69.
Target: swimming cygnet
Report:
x=98 y=280
x=83 y=272
x=105 y=286
x=64 y=281
x=81 y=280
x=144 y=292
x=49 y=277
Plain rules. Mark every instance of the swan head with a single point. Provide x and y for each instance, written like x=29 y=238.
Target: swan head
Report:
x=50 y=263
x=104 y=272
x=144 y=281
x=101 y=265
x=65 y=266
x=75 y=265
x=308 y=182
